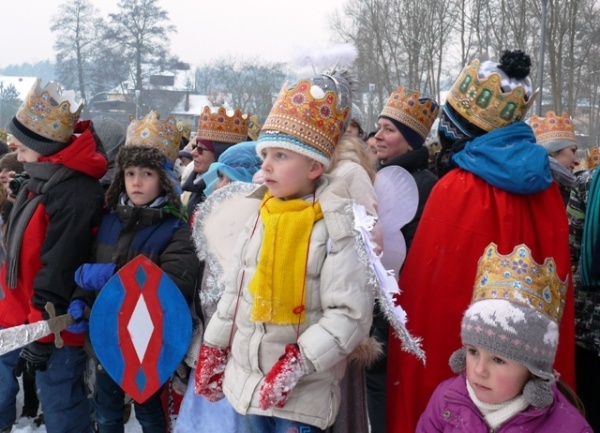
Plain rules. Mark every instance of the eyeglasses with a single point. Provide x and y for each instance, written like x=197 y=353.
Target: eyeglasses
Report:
x=199 y=148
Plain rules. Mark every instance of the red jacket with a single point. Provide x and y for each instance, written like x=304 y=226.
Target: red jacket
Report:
x=58 y=237
x=463 y=215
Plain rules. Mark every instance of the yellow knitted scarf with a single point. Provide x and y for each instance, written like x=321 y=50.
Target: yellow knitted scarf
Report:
x=279 y=281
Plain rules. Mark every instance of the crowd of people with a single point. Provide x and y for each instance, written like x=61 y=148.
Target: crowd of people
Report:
x=278 y=237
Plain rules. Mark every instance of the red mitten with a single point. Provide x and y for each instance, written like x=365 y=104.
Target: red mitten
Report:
x=209 y=373
x=282 y=378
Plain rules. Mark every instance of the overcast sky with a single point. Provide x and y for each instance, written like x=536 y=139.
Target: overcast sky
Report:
x=274 y=30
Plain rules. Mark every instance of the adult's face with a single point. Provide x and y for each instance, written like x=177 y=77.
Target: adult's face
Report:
x=567 y=157
x=353 y=129
x=202 y=156
x=390 y=141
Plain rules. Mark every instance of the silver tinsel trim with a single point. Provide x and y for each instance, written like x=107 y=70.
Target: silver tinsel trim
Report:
x=214 y=287
x=367 y=257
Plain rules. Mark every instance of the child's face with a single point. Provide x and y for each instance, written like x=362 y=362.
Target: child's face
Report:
x=25 y=154
x=142 y=185
x=288 y=174
x=493 y=378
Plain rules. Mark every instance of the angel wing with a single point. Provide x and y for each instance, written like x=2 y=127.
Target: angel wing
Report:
x=397 y=198
x=384 y=284
x=217 y=225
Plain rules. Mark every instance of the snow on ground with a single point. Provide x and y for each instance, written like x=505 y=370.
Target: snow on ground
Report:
x=26 y=425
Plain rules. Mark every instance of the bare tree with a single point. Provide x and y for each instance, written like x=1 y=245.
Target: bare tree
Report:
x=248 y=85
x=141 y=31
x=76 y=26
x=423 y=45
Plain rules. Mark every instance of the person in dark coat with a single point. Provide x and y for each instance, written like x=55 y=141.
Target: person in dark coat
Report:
x=404 y=124
x=49 y=234
x=145 y=217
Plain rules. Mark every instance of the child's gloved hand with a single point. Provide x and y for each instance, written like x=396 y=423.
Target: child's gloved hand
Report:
x=94 y=276
x=282 y=378
x=36 y=356
x=209 y=373
x=77 y=310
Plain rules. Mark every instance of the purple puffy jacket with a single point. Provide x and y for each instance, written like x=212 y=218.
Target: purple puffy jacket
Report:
x=450 y=410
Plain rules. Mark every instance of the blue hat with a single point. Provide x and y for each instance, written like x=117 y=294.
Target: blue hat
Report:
x=239 y=163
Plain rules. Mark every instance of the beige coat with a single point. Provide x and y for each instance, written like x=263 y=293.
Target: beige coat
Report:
x=339 y=308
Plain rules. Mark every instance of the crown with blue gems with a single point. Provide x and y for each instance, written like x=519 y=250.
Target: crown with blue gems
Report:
x=519 y=279
x=222 y=127
x=152 y=132
x=48 y=113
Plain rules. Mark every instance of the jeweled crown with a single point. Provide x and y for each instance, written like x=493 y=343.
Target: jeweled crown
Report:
x=310 y=114
x=222 y=127
x=482 y=102
x=153 y=132
x=406 y=108
x=49 y=113
x=253 y=128
x=518 y=278
x=553 y=128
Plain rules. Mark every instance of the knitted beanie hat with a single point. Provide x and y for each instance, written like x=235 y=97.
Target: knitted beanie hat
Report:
x=310 y=116
x=487 y=95
x=239 y=163
x=111 y=134
x=554 y=133
x=515 y=311
x=46 y=119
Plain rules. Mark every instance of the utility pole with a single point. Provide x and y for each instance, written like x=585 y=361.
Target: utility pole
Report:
x=542 y=46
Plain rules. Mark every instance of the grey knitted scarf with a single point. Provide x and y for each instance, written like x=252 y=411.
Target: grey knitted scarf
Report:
x=43 y=177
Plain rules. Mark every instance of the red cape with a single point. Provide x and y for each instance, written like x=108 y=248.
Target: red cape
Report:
x=462 y=216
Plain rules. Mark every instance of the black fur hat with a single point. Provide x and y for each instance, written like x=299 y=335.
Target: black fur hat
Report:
x=142 y=156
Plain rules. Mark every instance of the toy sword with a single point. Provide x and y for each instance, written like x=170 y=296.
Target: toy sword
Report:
x=19 y=336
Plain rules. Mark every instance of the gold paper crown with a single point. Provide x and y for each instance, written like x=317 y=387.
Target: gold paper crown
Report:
x=253 y=128
x=517 y=278
x=151 y=131
x=406 y=108
x=553 y=128
x=221 y=127
x=482 y=102
x=309 y=114
x=3 y=135
x=48 y=113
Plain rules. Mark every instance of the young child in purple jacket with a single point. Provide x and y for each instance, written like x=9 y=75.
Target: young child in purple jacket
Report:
x=506 y=382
